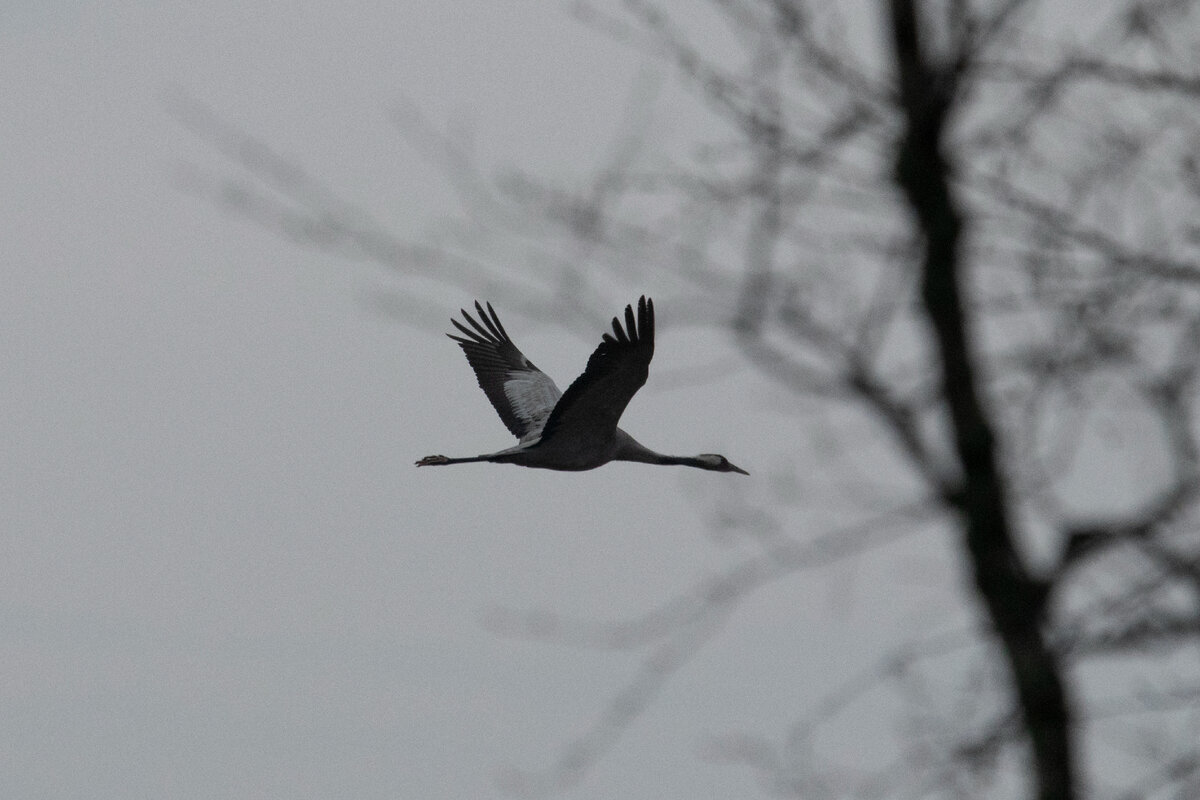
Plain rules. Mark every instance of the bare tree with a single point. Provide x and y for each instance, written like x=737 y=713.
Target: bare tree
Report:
x=975 y=220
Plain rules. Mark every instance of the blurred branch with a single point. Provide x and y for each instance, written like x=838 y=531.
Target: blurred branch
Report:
x=1070 y=227
x=730 y=586
x=1083 y=68
x=676 y=630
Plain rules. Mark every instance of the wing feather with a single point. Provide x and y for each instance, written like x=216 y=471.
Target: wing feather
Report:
x=589 y=410
x=522 y=394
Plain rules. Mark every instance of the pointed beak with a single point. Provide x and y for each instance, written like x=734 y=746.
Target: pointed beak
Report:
x=738 y=469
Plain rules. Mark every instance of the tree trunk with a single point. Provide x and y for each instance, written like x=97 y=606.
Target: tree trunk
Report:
x=1014 y=600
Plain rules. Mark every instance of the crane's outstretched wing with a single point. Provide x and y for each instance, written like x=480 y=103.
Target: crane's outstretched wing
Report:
x=592 y=405
x=523 y=395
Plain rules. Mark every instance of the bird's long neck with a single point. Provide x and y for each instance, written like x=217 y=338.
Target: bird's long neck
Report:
x=630 y=449
x=683 y=461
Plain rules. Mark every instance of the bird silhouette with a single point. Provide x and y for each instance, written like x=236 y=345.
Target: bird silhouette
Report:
x=573 y=430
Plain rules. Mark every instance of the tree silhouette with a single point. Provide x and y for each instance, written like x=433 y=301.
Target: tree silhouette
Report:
x=974 y=222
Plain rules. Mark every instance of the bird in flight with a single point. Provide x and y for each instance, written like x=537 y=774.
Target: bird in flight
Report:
x=572 y=430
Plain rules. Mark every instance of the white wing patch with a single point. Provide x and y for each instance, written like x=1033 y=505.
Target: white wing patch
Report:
x=532 y=396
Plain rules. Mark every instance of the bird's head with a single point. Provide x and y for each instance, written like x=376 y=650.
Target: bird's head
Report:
x=717 y=463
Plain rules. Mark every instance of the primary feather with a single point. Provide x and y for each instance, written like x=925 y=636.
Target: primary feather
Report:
x=521 y=393
x=595 y=401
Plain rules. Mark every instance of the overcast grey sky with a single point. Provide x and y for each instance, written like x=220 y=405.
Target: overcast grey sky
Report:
x=220 y=574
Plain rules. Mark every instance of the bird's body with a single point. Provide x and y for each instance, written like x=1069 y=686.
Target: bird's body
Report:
x=571 y=431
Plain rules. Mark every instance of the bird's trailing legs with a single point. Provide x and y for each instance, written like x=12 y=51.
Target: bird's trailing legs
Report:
x=433 y=461
x=437 y=461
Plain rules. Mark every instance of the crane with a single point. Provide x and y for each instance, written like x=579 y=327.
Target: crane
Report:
x=572 y=430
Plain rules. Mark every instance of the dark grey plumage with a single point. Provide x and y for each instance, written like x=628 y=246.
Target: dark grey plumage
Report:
x=575 y=430
x=594 y=403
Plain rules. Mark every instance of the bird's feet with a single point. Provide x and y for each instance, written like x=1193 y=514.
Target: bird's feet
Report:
x=431 y=461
